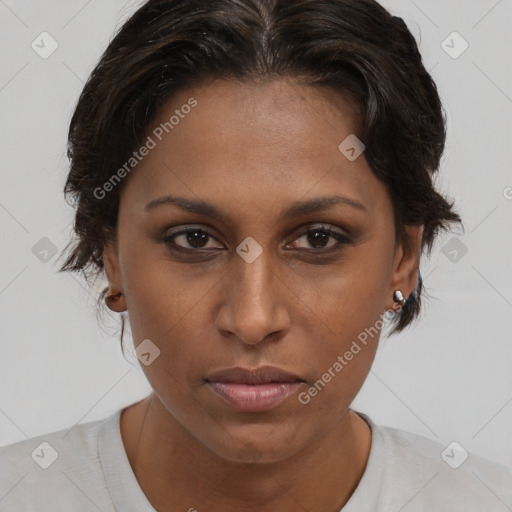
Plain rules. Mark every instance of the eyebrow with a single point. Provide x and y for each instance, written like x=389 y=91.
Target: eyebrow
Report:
x=297 y=209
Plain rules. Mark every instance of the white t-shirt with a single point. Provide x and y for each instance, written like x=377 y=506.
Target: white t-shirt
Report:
x=87 y=470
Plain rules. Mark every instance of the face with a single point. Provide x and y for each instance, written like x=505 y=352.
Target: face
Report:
x=237 y=274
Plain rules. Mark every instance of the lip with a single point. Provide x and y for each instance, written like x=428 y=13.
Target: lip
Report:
x=257 y=390
x=261 y=375
x=254 y=397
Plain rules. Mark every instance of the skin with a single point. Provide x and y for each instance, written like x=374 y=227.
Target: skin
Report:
x=252 y=150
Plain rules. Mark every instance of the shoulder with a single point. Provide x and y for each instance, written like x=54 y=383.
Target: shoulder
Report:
x=429 y=475
x=50 y=471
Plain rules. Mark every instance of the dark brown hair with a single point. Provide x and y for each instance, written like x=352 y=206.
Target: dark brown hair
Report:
x=354 y=47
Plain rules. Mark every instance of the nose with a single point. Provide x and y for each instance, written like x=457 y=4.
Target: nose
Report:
x=254 y=302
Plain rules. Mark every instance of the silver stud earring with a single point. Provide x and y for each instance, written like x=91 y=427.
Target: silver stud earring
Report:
x=399 y=297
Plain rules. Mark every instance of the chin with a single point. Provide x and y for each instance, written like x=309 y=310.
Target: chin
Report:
x=253 y=445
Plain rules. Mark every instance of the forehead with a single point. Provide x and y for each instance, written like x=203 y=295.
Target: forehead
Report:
x=253 y=144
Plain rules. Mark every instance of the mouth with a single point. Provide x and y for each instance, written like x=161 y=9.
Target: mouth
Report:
x=257 y=390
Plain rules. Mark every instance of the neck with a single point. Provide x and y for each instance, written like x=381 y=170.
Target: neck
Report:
x=175 y=470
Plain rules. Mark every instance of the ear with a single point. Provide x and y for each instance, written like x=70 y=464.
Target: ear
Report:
x=406 y=264
x=113 y=273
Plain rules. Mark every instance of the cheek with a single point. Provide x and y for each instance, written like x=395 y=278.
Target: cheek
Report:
x=342 y=311
x=172 y=307
x=345 y=329
x=161 y=294
x=344 y=298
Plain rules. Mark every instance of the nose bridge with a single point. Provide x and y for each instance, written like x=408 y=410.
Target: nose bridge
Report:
x=253 y=282
x=253 y=307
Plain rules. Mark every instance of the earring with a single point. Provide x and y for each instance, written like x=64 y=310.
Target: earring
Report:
x=399 y=297
x=111 y=300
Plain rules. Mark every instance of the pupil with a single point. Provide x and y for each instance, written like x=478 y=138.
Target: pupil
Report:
x=313 y=238
x=193 y=239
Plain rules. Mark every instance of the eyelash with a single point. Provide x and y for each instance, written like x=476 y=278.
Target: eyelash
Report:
x=341 y=238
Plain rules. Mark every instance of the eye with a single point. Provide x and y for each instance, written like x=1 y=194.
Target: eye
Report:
x=319 y=236
x=192 y=238
x=196 y=239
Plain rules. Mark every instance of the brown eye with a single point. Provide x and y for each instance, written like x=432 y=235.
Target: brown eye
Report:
x=318 y=238
x=193 y=238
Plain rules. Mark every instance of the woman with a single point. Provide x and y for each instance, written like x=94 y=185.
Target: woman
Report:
x=255 y=179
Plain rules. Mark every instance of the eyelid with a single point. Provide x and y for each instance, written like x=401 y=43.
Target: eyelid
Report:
x=342 y=238
x=168 y=237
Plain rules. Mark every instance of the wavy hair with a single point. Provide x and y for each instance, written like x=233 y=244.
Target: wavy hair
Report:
x=354 y=47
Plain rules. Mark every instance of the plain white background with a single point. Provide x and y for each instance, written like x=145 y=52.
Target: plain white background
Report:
x=448 y=377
